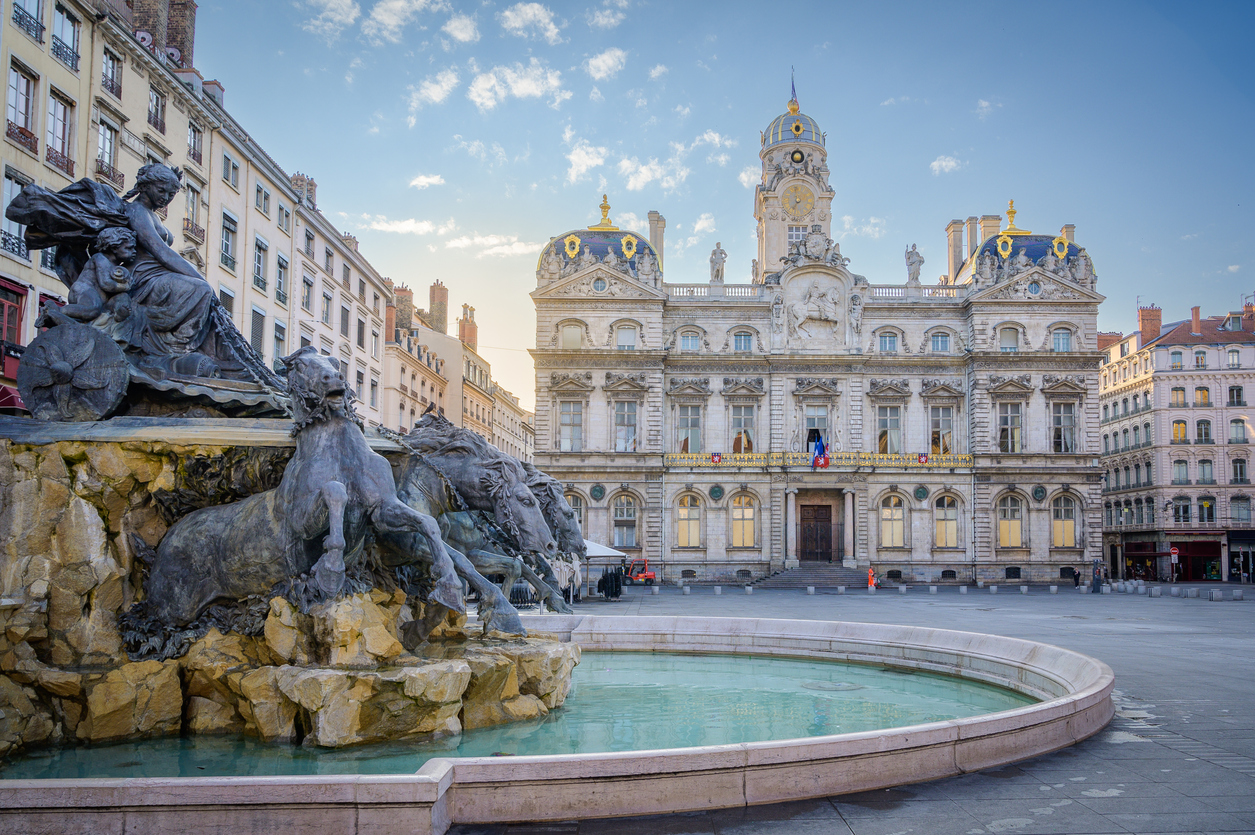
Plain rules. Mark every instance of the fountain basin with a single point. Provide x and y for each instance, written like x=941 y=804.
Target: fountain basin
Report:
x=1075 y=694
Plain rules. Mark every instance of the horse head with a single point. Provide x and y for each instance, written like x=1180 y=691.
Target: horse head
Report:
x=515 y=507
x=558 y=512
x=318 y=389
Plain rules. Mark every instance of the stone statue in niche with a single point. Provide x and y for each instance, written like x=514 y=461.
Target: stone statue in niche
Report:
x=550 y=265
x=717 y=259
x=856 y=318
x=777 y=313
x=913 y=263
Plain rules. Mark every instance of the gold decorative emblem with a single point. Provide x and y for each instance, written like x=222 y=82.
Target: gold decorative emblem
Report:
x=797 y=127
x=1004 y=246
x=605 y=217
x=798 y=201
x=629 y=246
x=797 y=156
x=572 y=245
x=1061 y=247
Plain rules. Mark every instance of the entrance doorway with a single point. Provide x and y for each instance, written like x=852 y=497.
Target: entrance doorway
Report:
x=816 y=533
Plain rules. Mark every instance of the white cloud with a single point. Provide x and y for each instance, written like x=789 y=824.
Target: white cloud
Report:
x=669 y=174
x=489 y=89
x=749 y=176
x=719 y=159
x=682 y=109
x=605 y=18
x=568 y=133
x=715 y=140
x=334 y=16
x=630 y=220
x=389 y=17
x=356 y=63
x=433 y=90
x=873 y=227
x=494 y=246
x=423 y=181
x=522 y=18
x=657 y=72
x=1234 y=267
x=462 y=29
x=584 y=157
x=595 y=95
x=607 y=64
x=944 y=165
x=479 y=150
x=705 y=223
x=409 y=226
x=984 y=108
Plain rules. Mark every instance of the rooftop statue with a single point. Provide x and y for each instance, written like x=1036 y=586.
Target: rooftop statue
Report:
x=718 y=257
x=913 y=263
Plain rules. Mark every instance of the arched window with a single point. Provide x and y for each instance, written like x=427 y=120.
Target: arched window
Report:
x=1137 y=475
x=1125 y=440
x=743 y=428
x=1202 y=432
x=1010 y=522
x=892 y=522
x=624 y=521
x=688 y=522
x=1200 y=359
x=946 y=522
x=1107 y=513
x=1237 y=431
x=940 y=342
x=1206 y=475
x=1138 y=515
x=690 y=341
x=1137 y=436
x=888 y=342
x=1063 y=527
x=625 y=338
x=1177 y=360
x=572 y=337
x=576 y=501
x=1179 y=435
x=1009 y=339
x=742 y=342
x=1181 y=509
x=1125 y=404
x=1061 y=340
x=1202 y=396
x=1135 y=401
x=1235 y=396
x=744 y=534
x=1178 y=396
x=1105 y=414
x=1106 y=444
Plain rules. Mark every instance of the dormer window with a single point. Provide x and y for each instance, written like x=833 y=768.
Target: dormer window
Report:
x=941 y=343
x=571 y=337
x=1008 y=340
x=742 y=342
x=888 y=343
x=690 y=342
x=626 y=338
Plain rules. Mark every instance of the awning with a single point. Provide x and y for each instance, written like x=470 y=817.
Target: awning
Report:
x=10 y=399
x=597 y=550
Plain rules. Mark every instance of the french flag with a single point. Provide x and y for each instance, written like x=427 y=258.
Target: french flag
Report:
x=821 y=453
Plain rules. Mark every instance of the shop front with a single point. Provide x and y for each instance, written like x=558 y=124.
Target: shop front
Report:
x=1241 y=556
x=1198 y=559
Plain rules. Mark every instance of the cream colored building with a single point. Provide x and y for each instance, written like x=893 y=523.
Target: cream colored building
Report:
x=960 y=417
x=416 y=368
x=510 y=428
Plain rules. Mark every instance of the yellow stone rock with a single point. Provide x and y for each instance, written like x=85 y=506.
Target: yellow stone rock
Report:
x=137 y=699
x=289 y=633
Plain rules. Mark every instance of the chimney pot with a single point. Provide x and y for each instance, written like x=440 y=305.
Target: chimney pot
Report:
x=1196 y=320
x=989 y=226
x=1149 y=323
x=1069 y=232
x=954 y=247
x=973 y=235
x=657 y=228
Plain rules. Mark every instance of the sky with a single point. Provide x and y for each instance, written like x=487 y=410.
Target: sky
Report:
x=456 y=138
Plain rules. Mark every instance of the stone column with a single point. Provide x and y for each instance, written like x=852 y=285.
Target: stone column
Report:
x=849 y=561
x=790 y=526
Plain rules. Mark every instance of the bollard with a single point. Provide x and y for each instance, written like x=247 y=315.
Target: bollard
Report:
x=840 y=589
x=810 y=589
x=1023 y=589
x=1106 y=588
x=1237 y=594
x=871 y=589
x=718 y=589
x=980 y=584
x=1054 y=589
x=1191 y=592
x=901 y=589
x=686 y=590
x=653 y=589
x=993 y=589
x=1141 y=589
x=1215 y=595
x=962 y=589
x=1156 y=592
x=932 y=589
x=749 y=589
x=1175 y=592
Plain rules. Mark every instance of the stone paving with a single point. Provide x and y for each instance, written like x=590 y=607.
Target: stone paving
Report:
x=1178 y=758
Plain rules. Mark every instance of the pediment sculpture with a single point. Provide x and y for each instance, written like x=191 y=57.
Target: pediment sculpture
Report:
x=752 y=385
x=696 y=384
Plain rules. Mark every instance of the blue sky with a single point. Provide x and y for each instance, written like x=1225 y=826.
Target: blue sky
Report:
x=455 y=138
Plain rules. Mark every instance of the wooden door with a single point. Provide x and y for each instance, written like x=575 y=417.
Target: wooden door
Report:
x=816 y=533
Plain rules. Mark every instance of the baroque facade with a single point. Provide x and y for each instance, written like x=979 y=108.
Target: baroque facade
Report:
x=960 y=419
x=1176 y=444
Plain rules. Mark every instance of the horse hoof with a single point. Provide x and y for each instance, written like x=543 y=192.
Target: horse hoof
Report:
x=447 y=595
x=505 y=622
x=329 y=580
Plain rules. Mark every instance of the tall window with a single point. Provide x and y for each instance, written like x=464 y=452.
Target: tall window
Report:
x=742 y=428
x=690 y=341
x=257 y=334
x=1180 y=472
x=941 y=425
x=1061 y=340
x=624 y=521
x=1010 y=428
x=261 y=199
x=21 y=110
x=195 y=142
x=1179 y=432
x=11 y=303
x=1237 y=431
x=1137 y=437
x=228 y=301
x=888 y=343
x=946 y=522
x=230 y=171
x=192 y=209
x=941 y=343
x=1176 y=362
x=344 y=320
x=1063 y=425
x=374 y=394
x=576 y=501
x=309 y=243
x=889 y=429
x=60 y=124
x=572 y=337
x=626 y=338
x=1202 y=431
x=742 y=342
x=625 y=426
x=1202 y=396
x=690 y=427
x=570 y=426
x=1239 y=471
x=1063 y=522
x=892 y=522
x=1206 y=510
x=260 y=252
x=361 y=333
x=157 y=111
x=328 y=262
x=65 y=36
x=816 y=426
x=281 y=340
x=1235 y=396
x=326 y=308
x=1235 y=358
x=1206 y=475
x=227 y=258
x=1009 y=340
x=743 y=522
x=688 y=522
x=1010 y=522
x=107 y=143
x=1181 y=510
x=281 y=279
x=1200 y=359
x=1240 y=510
x=111 y=74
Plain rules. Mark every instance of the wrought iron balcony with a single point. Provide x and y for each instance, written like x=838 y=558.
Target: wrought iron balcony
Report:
x=705 y=460
x=194 y=154
x=192 y=231
x=14 y=244
x=157 y=122
x=259 y=281
x=23 y=137
x=28 y=23
x=111 y=174
x=64 y=53
x=48 y=258
x=281 y=297
x=60 y=161
x=111 y=85
x=227 y=260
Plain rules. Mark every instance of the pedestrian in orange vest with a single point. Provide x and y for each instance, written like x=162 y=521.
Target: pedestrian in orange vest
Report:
x=871 y=579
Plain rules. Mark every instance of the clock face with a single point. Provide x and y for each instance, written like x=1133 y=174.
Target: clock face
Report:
x=797 y=156
x=798 y=201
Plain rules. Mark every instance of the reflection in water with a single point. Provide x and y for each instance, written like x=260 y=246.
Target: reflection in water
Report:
x=621 y=702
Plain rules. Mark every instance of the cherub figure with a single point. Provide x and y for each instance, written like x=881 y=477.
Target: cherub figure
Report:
x=103 y=282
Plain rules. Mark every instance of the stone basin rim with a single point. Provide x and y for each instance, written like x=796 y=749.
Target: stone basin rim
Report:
x=1077 y=704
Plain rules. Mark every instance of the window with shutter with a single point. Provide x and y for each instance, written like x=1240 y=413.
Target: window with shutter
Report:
x=258 y=333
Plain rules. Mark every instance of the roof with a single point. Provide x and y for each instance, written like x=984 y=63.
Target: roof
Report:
x=793 y=126
x=627 y=245
x=1211 y=332
x=1034 y=246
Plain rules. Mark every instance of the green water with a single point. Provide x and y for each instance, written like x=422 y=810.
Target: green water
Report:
x=621 y=701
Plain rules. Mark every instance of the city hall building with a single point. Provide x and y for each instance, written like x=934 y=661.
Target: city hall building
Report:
x=959 y=420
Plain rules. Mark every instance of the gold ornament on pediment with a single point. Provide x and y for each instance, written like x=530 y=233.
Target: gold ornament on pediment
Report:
x=629 y=246
x=572 y=243
x=1004 y=246
x=1061 y=247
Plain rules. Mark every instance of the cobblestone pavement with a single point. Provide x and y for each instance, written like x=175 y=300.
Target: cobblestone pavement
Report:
x=1178 y=758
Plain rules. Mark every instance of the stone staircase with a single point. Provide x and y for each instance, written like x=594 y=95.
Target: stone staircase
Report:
x=818 y=574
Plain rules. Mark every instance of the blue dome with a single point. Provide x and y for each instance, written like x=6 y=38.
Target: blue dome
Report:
x=627 y=246
x=793 y=126
x=1034 y=246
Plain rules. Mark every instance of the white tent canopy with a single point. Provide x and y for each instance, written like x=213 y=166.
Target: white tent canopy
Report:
x=597 y=550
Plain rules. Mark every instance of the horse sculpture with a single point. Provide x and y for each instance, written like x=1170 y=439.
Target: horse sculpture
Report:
x=492 y=552
x=558 y=514
x=334 y=491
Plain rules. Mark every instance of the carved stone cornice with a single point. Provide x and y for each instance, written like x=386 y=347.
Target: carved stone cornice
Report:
x=889 y=388
x=687 y=385
x=815 y=385
x=942 y=389
x=743 y=385
x=571 y=382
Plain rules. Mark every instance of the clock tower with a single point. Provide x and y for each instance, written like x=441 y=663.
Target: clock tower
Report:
x=793 y=196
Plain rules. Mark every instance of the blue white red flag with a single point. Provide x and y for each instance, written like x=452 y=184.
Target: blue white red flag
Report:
x=820 y=456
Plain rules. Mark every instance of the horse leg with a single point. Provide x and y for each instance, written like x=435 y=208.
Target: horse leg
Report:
x=329 y=570
x=394 y=515
x=547 y=593
x=495 y=609
x=488 y=562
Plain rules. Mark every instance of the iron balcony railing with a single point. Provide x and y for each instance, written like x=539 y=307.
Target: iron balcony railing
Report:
x=192 y=231
x=259 y=281
x=23 y=137
x=107 y=171
x=28 y=23
x=60 y=161
x=194 y=154
x=732 y=460
x=227 y=261
x=64 y=53
x=281 y=297
x=157 y=122
x=112 y=85
x=14 y=244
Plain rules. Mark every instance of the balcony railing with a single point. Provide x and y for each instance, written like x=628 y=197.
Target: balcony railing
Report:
x=64 y=53
x=157 y=122
x=1239 y=440
x=14 y=244
x=281 y=297
x=108 y=172
x=23 y=137
x=48 y=258
x=803 y=459
x=259 y=281
x=112 y=85
x=28 y=23
x=192 y=231
x=60 y=161
x=194 y=154
x=227 y=260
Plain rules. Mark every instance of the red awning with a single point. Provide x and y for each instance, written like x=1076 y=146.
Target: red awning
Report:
x=10 y=399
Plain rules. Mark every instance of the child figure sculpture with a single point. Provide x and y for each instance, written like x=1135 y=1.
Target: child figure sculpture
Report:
x=102 y=285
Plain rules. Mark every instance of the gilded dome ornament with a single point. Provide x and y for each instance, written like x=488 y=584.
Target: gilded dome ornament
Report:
x=605 y=222
x=629 y=247
x=572 y=245
x=1004 y=246
x=1060 y=245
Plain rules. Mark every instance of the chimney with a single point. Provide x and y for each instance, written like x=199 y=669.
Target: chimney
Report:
x=1149 y=322
x=1069 y=232
x=405 y=308
x=438 y=301
x=974 y=240
x=181 y=32
x=390 y=323
x=468 y=331
x=1248 y=317
x=989 y=226
x=349 y=240
x=657 y=226
x=1196 y=322
x=305 y=187
x=151 y=21
x=954 y=247
x=214 y=89
x=1108 y=338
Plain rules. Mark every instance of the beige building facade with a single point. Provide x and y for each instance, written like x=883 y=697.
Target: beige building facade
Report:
x=959 y=418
